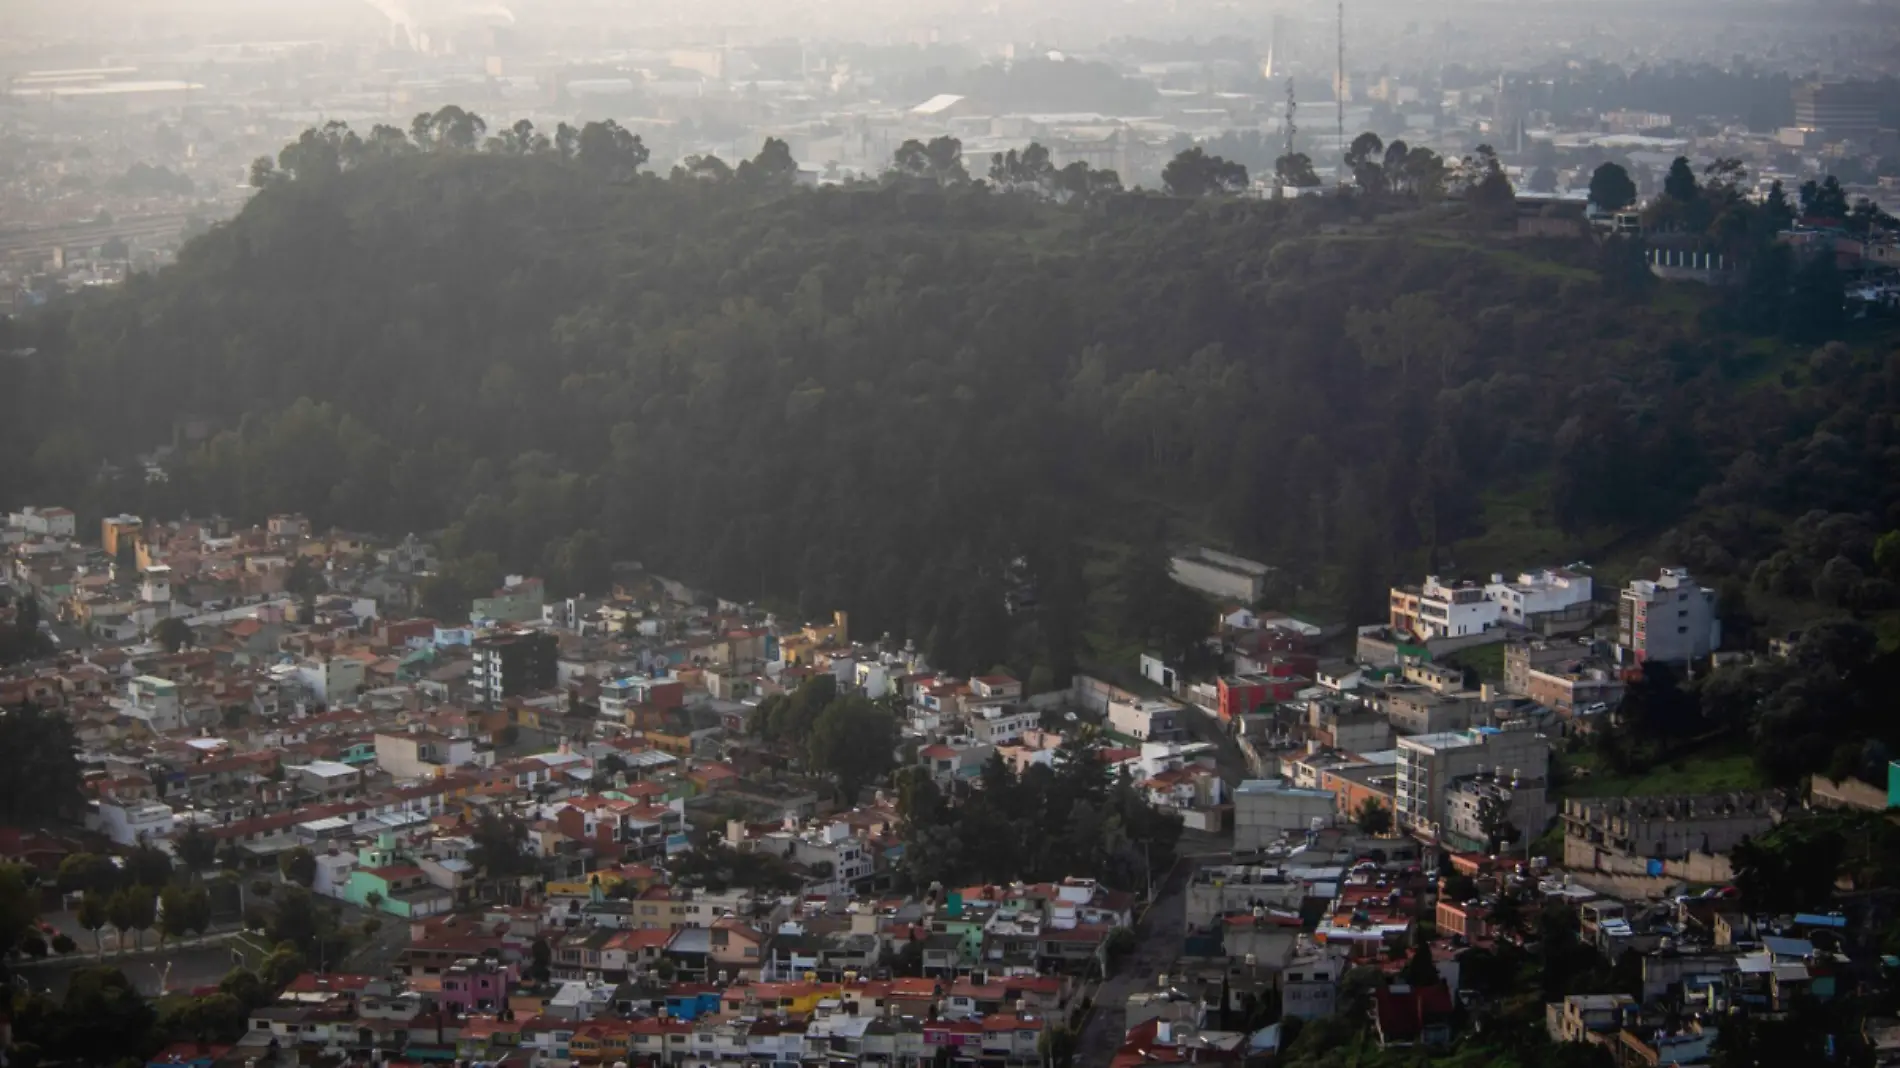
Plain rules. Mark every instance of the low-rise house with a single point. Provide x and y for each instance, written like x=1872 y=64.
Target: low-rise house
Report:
x=1309 y=985
x=1002 y=724
x=1145 y=719
x=1407 y=1016
x=1266 y=810
x=1652 y=1047
x=325 y=780
x=956 y=760
x=385 y=879
x=476 y=986
x=1593 y=1018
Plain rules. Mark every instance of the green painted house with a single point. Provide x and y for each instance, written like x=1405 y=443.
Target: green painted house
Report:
x=385 y=880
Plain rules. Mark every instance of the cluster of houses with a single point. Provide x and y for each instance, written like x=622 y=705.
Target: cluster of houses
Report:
x=1403 y=785
x=291 y=716
x=644 y=973
x=612 y=735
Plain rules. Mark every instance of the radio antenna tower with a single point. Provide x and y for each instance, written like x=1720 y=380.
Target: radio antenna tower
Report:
x=1339 y=84
x=1280 y=175
x=1291 y=127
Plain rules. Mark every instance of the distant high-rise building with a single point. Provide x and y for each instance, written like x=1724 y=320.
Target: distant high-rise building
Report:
x=1838 y=108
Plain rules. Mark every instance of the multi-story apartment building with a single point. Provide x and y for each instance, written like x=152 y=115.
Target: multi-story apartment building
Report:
x=1670 y=619
x=1440 y=610
x=1428 y=763
x=1469 y=802
x=514 y=663
x=1435 y=610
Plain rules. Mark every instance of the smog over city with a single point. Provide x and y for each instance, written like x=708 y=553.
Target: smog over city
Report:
x=949 y=533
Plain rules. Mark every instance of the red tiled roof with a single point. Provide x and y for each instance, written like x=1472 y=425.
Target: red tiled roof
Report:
x=955 y=1027
x=662 y=1025
x=397 y=872
x=315 y=983
x=655 y=938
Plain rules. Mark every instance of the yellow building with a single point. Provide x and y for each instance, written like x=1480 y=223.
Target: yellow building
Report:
x=119 y=529
x=802 y=648
x=679 y=745
x=584 y=886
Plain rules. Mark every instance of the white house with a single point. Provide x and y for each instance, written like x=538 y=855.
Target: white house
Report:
x=332 y=679
x=333 y=873
x=873 y=678
x=1436 y=610
x=155 y=701
x=1144 y=719
x=130 y=823
x=1309 y=985
x=1550 y=592
x=1002 y=724
x=1155 y=670
x=45 y=522
x=155 y=586
x=1219 y=574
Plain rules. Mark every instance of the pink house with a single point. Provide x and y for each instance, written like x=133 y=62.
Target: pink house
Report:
x=476 y=985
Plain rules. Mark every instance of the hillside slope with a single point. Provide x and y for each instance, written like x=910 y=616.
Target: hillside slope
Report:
x=879 y=397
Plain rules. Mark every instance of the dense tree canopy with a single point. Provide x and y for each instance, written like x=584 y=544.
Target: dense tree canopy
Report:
x=883 y=396
x=39 y=773
x=1611 y=188
x=1076 y=818
x=1194 y=173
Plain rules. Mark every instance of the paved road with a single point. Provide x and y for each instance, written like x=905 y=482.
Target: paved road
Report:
x=377 y=955
x=1159 y=936
x=190 y=967
x=67 y=923
x=1228 y=755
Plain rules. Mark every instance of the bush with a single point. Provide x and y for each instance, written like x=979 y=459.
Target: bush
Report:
x=64 y=944
x=262 y=887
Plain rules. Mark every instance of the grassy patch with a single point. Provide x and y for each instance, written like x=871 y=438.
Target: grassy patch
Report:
x=1518 y=533
x=1550 y=843
x=1761 y=362
x=1887 y=626
x=1678 y=299
x=1486 y=660
x=1519 y=262
x=1715 y=771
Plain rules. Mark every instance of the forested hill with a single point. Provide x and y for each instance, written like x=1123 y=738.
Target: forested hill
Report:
x=879 y=397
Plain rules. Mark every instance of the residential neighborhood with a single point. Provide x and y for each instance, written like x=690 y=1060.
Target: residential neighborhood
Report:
x=567 y=832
